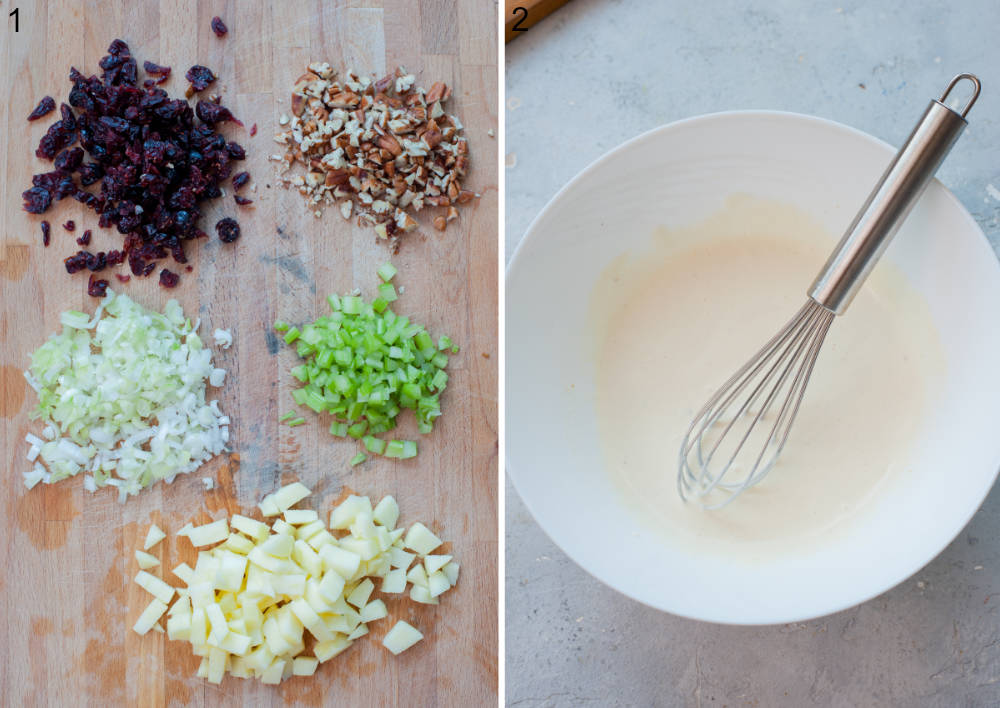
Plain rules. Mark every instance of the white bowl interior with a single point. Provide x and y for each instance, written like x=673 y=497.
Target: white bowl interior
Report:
x=678 y=175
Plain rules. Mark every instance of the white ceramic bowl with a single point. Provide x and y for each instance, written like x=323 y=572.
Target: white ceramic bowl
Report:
x=679 y=174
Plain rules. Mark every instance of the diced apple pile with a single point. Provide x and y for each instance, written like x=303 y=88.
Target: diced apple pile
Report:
x=250 y=599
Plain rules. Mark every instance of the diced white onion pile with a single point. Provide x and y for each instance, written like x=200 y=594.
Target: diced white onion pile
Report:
x=122 y=397
x=250 y=600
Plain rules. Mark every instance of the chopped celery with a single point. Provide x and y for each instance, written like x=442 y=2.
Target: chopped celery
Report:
x=363 y=364
x=280 y=326
x=374 y=444
x=387 y=292
x=287 y=416
x=296 y=421
x=358 y=459
x=394 y=448
x=387 y=271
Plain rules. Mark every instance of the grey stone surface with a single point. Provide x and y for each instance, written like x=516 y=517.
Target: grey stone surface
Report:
x=601 y=71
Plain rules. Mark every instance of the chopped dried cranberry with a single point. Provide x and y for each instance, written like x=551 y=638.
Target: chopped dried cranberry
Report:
x=68 y=119
x=253 y=130
x=90 y=172
x=228 y=229
x=242 y=201
x=120 y=68
x=236 y=151
x=123 y=277
x=163 y=72
x=36 y=200
x=69 y=160
x=46 y=233
x=219 y=27
x=169 y=279
x=77 y=262
x=84 y=240
x=212 y=113
x=87 y=199
x=201 y=77
x=59 y=136
x=70 y=226
x=240 y=180
x=96 y=262
x=44 y=107
x=97 y=287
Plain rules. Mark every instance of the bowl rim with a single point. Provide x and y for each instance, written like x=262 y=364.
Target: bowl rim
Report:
x=580 y=560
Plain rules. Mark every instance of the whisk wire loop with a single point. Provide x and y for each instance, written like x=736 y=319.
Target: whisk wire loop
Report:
x=780 y=371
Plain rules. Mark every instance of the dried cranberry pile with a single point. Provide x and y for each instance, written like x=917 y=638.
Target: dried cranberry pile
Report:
x=154 y=161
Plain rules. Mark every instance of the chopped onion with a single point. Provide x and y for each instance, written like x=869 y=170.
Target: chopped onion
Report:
x=122 y=395
x=223 y=338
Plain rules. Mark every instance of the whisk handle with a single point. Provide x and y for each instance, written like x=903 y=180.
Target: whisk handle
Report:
x=890 y=202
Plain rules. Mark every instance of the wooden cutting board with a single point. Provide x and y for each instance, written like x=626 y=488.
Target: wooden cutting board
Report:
x=522 y=15
x=66 y=592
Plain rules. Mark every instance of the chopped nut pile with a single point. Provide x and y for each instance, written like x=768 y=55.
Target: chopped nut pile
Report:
x=375 y=147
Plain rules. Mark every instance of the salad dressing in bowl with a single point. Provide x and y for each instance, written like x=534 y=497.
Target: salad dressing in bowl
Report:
x=672 y=323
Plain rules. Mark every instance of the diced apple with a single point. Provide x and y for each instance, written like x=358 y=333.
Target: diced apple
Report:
x=300 y=517
x=387 y=512
x=437 y=583
x=417 y=576
x=184 y=572
x=422 y=595
x=154 y=586
x=359 y=596
x=154 y=610
x=290 y=495
x=274 y=673
x=398 y=558
x=304 y=665
x=374 y=610
x=394 y=581
x=325 y=651
x=344 y=513
x=343 y=561
x=401 y=637
x=209 y=533
x=435 y=563
x=256 y=530
x=153 y=536
x=146 y=560
x=420 y=539
x=451 y=571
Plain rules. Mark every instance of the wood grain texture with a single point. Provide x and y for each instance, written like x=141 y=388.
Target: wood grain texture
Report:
x=66 y=593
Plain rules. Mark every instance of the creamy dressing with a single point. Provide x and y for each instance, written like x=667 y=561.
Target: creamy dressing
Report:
x=676 y=321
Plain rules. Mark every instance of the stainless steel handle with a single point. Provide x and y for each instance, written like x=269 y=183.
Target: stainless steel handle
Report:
x=889 y=203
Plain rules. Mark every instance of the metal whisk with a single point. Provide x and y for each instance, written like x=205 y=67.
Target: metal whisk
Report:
x=736 y=438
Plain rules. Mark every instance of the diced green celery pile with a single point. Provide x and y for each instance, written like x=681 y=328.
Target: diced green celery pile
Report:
x=364 y=364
